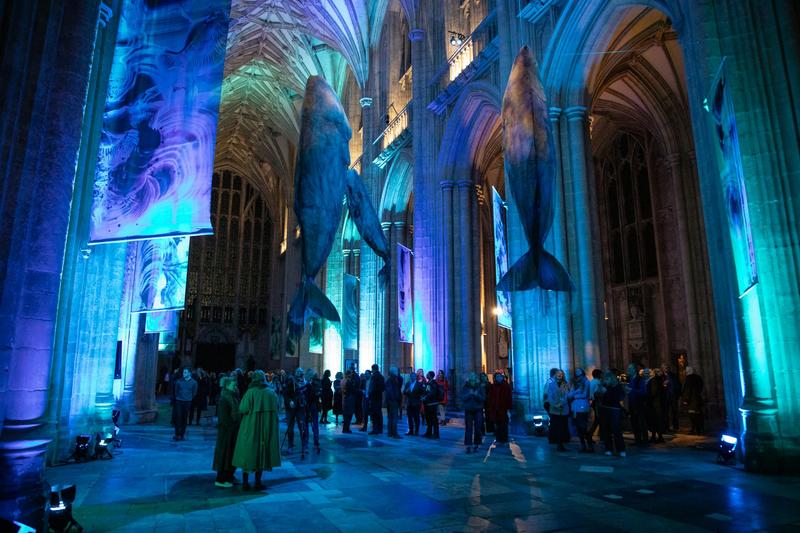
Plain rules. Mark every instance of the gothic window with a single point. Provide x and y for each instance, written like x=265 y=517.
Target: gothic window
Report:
x=228 y=315
x=629 y=212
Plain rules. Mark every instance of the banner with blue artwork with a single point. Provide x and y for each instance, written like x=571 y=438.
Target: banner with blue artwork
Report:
x=405 y=298
x=156 y=155
x=160 y=276
x=350 y=313
x=159 y=321
x=503 y=309
x=720 y=105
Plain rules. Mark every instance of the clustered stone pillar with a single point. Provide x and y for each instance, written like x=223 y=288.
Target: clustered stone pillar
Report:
x=448 y=340
x=589 y=311
x=49 y=55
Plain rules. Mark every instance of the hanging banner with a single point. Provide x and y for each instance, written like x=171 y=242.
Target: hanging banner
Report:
x=315 y=328
x=720 y=104
x=350 y=314
x=156 y=155
x=405 y=302
x=160 y=321
x=167 y=341
x=160 y=277
x=503 y=309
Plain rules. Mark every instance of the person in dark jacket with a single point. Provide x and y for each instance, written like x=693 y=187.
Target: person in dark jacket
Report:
x=393 y=396
x=375 y=388
x=200 y=400
x=692 y=398
x=672 y=393
x=327 y=397
x=414 y=394
x=656 y=400
x=485 y=384
x=313 y=402
x=498 y=406
x=350 y=395
x=362 y=416
x=295 y=397
x=611 y=413
x=472 y=400
x=431 y=400
x=337 y=397
x=227 y=428
x=637 y=403
x=185 y=390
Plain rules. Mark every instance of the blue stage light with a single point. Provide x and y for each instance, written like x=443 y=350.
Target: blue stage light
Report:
x=726 y=453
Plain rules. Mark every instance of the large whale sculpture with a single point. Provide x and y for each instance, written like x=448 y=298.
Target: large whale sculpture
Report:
x=530 y=168
x=321 y=180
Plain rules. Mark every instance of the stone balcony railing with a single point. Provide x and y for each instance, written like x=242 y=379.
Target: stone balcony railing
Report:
x=469 y=62
x=394 y=137
x=396 y=127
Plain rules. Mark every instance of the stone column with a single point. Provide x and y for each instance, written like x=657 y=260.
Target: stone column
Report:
x=447 y=325
x=588 y=297
x=465 y=306
x=48 y=55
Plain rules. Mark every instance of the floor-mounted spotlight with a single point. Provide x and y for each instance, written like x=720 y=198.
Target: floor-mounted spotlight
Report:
x=82 y=448
x=726 y=453
x=61 y=499
x=101 y=446
x=539 y=425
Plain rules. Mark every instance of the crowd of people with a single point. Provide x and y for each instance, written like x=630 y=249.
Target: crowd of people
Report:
x=248 y=406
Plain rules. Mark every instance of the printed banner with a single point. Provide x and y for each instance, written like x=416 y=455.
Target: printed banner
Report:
x=503 y=309
x=720 y=105
x=160 y=321
x=160 y=277
x=315 y=328
x=350 y=314
x=156 y=155
x=405 y=296
x=167 y=341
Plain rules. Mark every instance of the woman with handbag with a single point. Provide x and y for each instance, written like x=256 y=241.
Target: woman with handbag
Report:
x=579 y=409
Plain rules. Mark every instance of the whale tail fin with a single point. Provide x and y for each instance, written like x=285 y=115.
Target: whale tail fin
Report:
x=383 y=276
x=309 y=299
x=536 y=270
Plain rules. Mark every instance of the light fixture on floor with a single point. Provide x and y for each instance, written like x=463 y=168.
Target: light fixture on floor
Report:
x=61 y=499
x=82 y=447
x=539 y=425
x=456 y=39
x=726 y=453
x=101 y=446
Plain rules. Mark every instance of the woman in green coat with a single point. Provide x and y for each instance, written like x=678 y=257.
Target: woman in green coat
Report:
x=227 y=429
x=257 y=446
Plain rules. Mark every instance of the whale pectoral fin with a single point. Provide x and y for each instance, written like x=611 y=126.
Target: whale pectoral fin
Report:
x=296 y=322
x=553 y=275
x=320 y=304
x=522 y=276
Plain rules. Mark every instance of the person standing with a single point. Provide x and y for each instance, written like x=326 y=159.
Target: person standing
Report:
x=637 y=403
x=579 y=409
x=227 y=429
x=295 y=397
x=557 y=394
x=498 y=406
x=550 y=380
x=327 y=396
x=350 y=392
x=258 y=444
x=364 y=400
x=337 y=397
x=431 y=400
x=472 y=399
x=444 y=388
x=672 y=395
x=656 y=400
x=313 y=402
x=611 y=406
x=596 y=391
x=185 y=391
x=375 y=388
x=394 y=397
x=488 y=427
x=416 y=390
x=692 y=398
x=200 y=400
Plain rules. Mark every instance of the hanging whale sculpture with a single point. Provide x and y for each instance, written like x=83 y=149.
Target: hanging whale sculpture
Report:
x=530 y=168
x=322 y=179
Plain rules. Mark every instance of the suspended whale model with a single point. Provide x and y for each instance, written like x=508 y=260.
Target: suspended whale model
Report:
x=530 y=168
x=321 y=180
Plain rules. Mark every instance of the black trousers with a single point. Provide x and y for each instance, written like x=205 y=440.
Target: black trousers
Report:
x=412 y=412
x=392 y=413
x=431 y=421
x=181 y=410
x=473 y=419
x=501 y=427
x=376 y=414
x=312 y=417
x=610 y=424
x=297 y=415
x=348 y=409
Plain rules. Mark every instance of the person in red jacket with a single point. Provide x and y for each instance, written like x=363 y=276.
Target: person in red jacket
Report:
x=444 y=387
x=498 y=405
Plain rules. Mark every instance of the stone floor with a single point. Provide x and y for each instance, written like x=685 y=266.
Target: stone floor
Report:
x=364 y=483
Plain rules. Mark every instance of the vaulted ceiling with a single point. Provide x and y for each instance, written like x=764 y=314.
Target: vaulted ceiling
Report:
x=273 y=47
